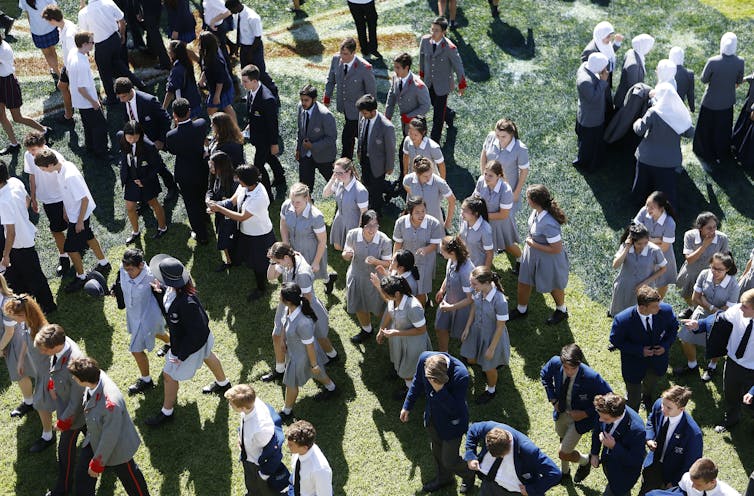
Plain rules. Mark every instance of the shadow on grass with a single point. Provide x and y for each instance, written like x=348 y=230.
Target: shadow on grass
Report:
x=476 y=69
x=737 y=186
x=28 y=430
x=96 y=334
x=306 y=41
x=459 y=177
x=511 y=40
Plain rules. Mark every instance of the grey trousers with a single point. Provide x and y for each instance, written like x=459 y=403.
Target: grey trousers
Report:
x=634 y=391
x=447 y=459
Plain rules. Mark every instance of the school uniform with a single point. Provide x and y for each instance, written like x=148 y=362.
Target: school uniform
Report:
x=499 y=198
x=361 y=295
x=47 y=192
x=298 y=332
x=111 y=440
x=427 y=148
x=318 y=126
x=376 y=156
x=41 y=34
x=12 y=351
x=10 y=90
x=524 y=465
x=92 y=120
x=545 y=271
x=352 y=81
x=302 y=233
x=261 y=439
x=412 y=97
x=429 y=232
x=219 y=73
x=478 y=239
x=405 y=350
x=514 y=158
x=720 y=295
x=262 y=114
x=689 y=272
x=211 y=9
x=410 y=279
x=630 y=333
x=684 y=82
x=364 y=16
x=488 y=311
x=38 y=366
x=233 y=149
x=311 y=474
x=635 y=268
x=747 y=280
x=591 y=48
x=663 y=228
x=721 y=488
x=67 y=35
x=74 y=190
x=350 y=199
x=457 y=288
x=742 y=139
x=437 y=63
x=594 y=101
x=679 y=445
x=432 y=192
x=249 y=38
x=255 y=235
x=144 y=318
x=225 y=228
x=151 y=11
x=147 y=110
x=181 y=21
x=621 y=464
x=302 y=275
x=143 y=167
x=633 y=72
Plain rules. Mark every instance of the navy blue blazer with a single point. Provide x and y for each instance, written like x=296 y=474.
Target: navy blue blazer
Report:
x=586 y=385
x=682 y=449
x=534 y=469
x=446 y=408
x=629 y=336
x=186 y=142
x=154 y=120
x=623 y=463
x=262 y=115
x=271 y=459
x=188 y=324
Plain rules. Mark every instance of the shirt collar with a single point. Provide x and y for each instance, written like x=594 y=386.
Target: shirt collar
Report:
x=491 y=294
x=643 y=252
x=661 y=219
x=477 y=224
x=408 y=225
x=308 y=454
x=306 y=211
x=724 y=283
x=499 y=185
x=350 y=185
x=406 y=79
x=66 y=347
x=618 y=421
x=360 y=237
x=541 y=215
x=294 y=314
x=511 y=145
x=698 y=237
x=391 y=303
x=674 y=421
x=184 y=122
x=91 y=391
x=424 y=143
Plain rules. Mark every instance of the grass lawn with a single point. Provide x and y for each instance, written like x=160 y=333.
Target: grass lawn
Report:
x=521 y=66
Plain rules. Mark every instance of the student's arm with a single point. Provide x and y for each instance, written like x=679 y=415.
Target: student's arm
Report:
x=621 y=254
x=322 y=482
x=82 y=213
x=321 y=248
x=547 y=378
x=283 y=230
x=112 y=425
x=451 y=210
x=7 y=335
x=83 y=91
x=65 y=419
x=33 y=194
x=10 y=238
x=415 y=391
x=122 y=31
x=217 y=94
x=330 y=84
x=218 y=19
x=474 y=437
x=618 y=339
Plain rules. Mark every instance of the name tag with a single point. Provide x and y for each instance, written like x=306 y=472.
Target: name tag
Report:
x=678 y=450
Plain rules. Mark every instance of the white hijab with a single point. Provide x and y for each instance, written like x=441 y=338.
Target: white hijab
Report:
x=642 y=44
x=596 y=62
x=666 y=70
x=728 y=44
x=669 y=106
x=676 y=55
x=601 y=31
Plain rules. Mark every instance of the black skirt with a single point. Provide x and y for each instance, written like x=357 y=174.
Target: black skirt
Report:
x=226 y=229
x=713 y=134
x=252 y=250
x=743 y=136
x=131 y=192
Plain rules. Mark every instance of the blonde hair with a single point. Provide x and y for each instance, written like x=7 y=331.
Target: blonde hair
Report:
x=241 y=396
x=299 y=189
x=436 y=368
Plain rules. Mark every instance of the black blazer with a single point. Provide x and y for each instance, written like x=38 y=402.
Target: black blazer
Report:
x=153 y=118
x=232 y=149
x=149 y=163
x=186 y=142
x=262 y=115
x=188 y=324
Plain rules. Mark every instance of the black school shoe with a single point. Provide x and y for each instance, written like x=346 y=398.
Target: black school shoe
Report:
x=76 y=285
x=272 y=376
x=159 y=419
x=685 y=370
x=515 y=314
x=331 y=278
x=557 y=317
x=215 y=388
x=361 y=337
x=103 y=269
x=582 y=472
x=21 y=410
x=325 y=394
x=41 y=445
x=485 y=398
x=140 y=386
x=64 y=265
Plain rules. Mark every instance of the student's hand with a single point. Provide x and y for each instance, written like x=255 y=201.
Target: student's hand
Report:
x=461 y=91
x=748 y=398
x=659 y=350
x=648 y=351
x=35 y=205
x=375 y=280
x=594 y=460
x=604 y=74
x=522 y=489
x=138 y=183
x=20 y=369
x=174 y=35
x=619 y=38
x=5 y=262
x=381 y=271
x=651 y=444
x=489 y=353
x=93 y=474
x=691 y=325
x=96 y=105
x=274 y=149
x=216 y=100
x=159 y=144
x=388 y=333
x=529 y=241
x=473 y=465
x=577 y=415
x=439 y=296
x=607 y=440
x=307 y=144
x=465 y=334
x=707 y=240
x=156 y=286
x=370 y=260
x=380 y=338
x=79 y=226
x=404 y=415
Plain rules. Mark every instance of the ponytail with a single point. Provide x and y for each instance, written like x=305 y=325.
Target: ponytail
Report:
x=456 y=246
x=541 y=196
x=483 y=274
x=405 y=259
x=291 y=293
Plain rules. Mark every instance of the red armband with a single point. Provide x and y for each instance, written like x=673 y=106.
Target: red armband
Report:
x=462 y=84
x=64 y=424
x=96 y=465
x=326 y=100
x=405 y=119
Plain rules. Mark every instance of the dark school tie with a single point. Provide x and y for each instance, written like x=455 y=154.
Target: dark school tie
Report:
x=661 y=441
x=364 y=140
x=130 y=112
x=297 y=478
x=607 y=428
x=306 y=122
x=563 y=393
x=243 y=444
x=400 y=85
x=434 y=47
x=744 y=341
x=493 y=469
x=54 y=360
x=650 y=331
x=345 y=70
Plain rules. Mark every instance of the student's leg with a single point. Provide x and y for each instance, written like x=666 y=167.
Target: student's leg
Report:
x=171 y=391
x=633 y=394
x=348 y=137
x=132 y=479
x=7 y=126
x=46 y=418
x=491 y=376
x=689 y=351
x=524 y=293
x=78 y=264
x=443 y=340
x=306 y=169
x=165 y=338
x=65 y=93
x=66 y=461
x=85 y=484
x=228 y=260
x=59 y=238
x=452 y=10
x=214 y=365
x=442 y=475
x=364 y=318
x=371 y=18
x=26 y=387
x=133 y=215
x=159 y=213
x=325 y=344
x=441 y=5
x=96 y=248
x=51 y=57
x=104 y=54
x=513 y=250
x=359 y=19
x=569 y=439
x=559 y=296
x=277 y=346
x=142 y=361
x=291 y=393
x=26 y=272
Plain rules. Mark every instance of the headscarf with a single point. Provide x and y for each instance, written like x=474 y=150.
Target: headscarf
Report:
x=676 y=55
x=596 y=62
x=642 y=44
x=666 y=72
x=728 y=44
x=601 y=31
x=669 y=106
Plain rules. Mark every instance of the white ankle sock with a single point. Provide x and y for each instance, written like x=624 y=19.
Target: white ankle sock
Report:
x=46 y=435
x=279 y=367
x=522 y=308
x=167 y=412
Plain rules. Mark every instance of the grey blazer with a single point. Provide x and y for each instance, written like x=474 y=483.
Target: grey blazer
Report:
x=322 y=133
x=633 y=72
x=358 y=82
x=661 y=146
x=413 y=100
x=591 y=48
x=684 y=81
x=436 y=66
x=381 y=145
x=721 y=74
x=593 y=97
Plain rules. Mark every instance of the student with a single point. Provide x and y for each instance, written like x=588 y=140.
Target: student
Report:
x=10 y=350
x=312 y=475
x=293 y=267
x=571 y=386
x=544 y=262
x=604 y=41
x=191 y=339
x=316 y=138
x=485 y=339
x=402 y=265
x=641 y=263
x=673 y=438
x=10 y=98
x=79 y=205
x=222 y=186
x=111 y=437
x=443 y=381
x=416 y=144
x=508 y=462
x=455 y=295
x=226 y=137
x=376 y=149
x=684 y=78
x=438 y=60
x=260 y=438
x=366 y=248
x=216 y=73
x=66 y=33
x=595 y=102
x=702 y=479
x=644 y=334
x=741 y=140
x=144 y=320
x=181 y=25
x=351 y=200
x=424 y=182
x=303 y=356
x=498 y=196
x=634 y=67
x=353 y=78
x=302 y=226
x=504 y=146
x=181 y=82
x=475 y=231
x=43 y=38
x=658 y=216
x=139 y=167
x=218 y=21
x=249 y=39
x=59 y=349
x=364 y=15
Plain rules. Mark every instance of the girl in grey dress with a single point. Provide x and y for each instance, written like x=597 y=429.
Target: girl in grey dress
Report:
x=10 y=349
x=303 y=358
x=405 y=329
x=425 y=183
x=421 y=234
x=351 y=198
x=544 y=262
x=454 y=296
x=746 y=282
x=302 y=225
x=402 y=265
x=417 y=144
x=485 y=339
x=658 y=215
x=502 y=145
x=496 y=193
x=641 y=262
x=699 y=244
x=476 y=231
x=365 y=248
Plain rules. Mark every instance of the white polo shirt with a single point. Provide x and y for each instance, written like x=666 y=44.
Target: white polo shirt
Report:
x=258 y=428
x=67 y=38
x=249 y=26
x=13 y=211
x=80 y=76
x=255 y=202
x=47 y=187
x=74 y=189
x=101 y=18
x=6 y=59
x=316 y=474
x=213 y=8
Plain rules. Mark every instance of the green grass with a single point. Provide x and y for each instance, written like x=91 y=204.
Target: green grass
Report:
x=370 y=450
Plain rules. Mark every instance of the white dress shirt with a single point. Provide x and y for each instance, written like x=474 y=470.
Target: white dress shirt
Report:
x=720 y=489
x=6 y=60
x=101 y=18
x=13 y=212
x=258 y=428
x=506 y=476
x=74 y=190
x=80 y=76
x=256 y=202
x=67 y=36
x=249 y=26
x=47 y=188
x=735 y=316
x=316 y=474
x=674 y=421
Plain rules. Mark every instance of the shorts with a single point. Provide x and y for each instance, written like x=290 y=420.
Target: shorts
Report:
x=77 y=242
x=55 y=216
x=46 y=40
x=64 y=76
x=10 y=92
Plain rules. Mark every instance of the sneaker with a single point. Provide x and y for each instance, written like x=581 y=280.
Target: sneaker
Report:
x=140 y=386
x=331 y=278
x=160 y=233
x=361 y=337
x=64 y=264
x=164 y=350
x=582 y=472
x=685 y=370
x=76 y=285
x=709 y=374
x=132 y=238
x=159 y=419
x=515 y=314
x=272 y=376
x=103 y=269
x=21 y=410
x=215 y=388
x=557 y=317
x=41 y=445
x=485 y=398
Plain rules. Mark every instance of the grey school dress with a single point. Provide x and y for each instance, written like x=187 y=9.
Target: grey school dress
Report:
x=12 y=350
x=432 y=192
x=664 y=228
x=544 y=271
x=692 y=240
x=350 y=199
x=430 y=231
x=718 y=295
x=478 y=239
x=302 y=233
x=513 y=158
x=747 y=280
x=304 y=277
x=37 y=366
x=504 y=232
x=412 y=282
x=427 y=148
x=361 y=295
x=457 y=286
x=299 y=331
x=635 y=268
x=405 y=350
x=488 y=311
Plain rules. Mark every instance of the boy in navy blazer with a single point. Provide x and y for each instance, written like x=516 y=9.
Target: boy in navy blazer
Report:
x=503 y=448
x=443 y=380
x=571 y=386
x=673 y=438
x=644 y=334
x=617 y=444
